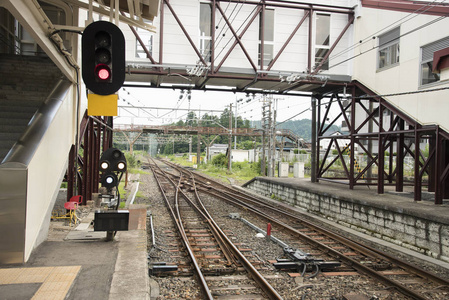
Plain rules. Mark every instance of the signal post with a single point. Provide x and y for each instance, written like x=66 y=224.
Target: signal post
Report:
x=103 y=72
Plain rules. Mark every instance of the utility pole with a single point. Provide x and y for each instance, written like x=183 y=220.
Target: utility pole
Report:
x=230 y=139
x=273 y=144
x=266 y=126
x=270 y=141
x=198 y=144
x=198 y=149
x=235 y=123
x=190 y=146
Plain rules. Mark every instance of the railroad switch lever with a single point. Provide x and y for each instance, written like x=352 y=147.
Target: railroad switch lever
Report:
x=297 y=260
x=296 y=254
x=304 y=262
x=108 y=200
x=161 y=267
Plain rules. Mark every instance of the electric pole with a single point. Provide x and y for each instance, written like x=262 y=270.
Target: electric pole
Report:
x=230 y=139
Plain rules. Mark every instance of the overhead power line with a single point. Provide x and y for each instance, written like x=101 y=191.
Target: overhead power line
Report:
x=415 y=14
x=402 y=35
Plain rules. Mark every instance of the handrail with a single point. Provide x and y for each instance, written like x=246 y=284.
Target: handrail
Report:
x=23 y=150
x=10 y=44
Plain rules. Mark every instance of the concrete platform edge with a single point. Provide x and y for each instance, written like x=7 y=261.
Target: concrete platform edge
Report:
x=356 y=233
x=132 y=255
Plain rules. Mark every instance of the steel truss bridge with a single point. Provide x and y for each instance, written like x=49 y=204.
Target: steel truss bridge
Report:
x=384 y=130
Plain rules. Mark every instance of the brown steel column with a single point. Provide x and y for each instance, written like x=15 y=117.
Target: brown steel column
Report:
x=390 y=157
x=212 y=42
x=438 y=148
x=418 y=183
x=444 y=178
x=352 y=146
x=161 y=33
x=309 y=46
x=431 y=168
x=96 y=158
x=400 y=159
x=71 y=173
x=315 y=154
x=91 y=155
x=381 y=153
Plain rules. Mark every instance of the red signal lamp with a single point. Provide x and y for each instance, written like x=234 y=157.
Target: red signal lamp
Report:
x=103 y=72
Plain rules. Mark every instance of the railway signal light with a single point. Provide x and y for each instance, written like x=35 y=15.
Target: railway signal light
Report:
x=113 y=160
x=109 y=180
x=112 y=165
x=103 y=58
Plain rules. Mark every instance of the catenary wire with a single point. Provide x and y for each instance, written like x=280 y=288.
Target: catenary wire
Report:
x=367 y=39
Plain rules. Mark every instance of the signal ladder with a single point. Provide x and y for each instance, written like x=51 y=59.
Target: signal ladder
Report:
x=356 y=163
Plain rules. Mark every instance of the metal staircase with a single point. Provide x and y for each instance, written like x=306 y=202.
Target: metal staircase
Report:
x=26 y=82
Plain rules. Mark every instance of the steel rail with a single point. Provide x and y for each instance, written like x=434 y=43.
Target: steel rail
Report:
x=224 y=246
x=355 y=264
x=202 y=279
x=366 y=250
x=260 y=280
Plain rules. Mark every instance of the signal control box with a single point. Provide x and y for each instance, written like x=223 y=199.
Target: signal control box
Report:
x=111 y=220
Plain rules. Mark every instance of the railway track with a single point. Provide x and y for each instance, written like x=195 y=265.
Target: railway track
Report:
x=396 y=275
x=208 y=247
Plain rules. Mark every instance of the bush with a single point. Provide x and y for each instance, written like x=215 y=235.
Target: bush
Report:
x=239 y=165
x=220 y=160
x=131 y=160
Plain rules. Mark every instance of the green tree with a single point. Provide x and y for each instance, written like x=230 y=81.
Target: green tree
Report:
x=191 y=119
x=220 y=160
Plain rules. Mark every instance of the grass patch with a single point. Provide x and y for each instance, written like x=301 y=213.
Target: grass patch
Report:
x=240 y=171
x=139 y=194
x=138 y=171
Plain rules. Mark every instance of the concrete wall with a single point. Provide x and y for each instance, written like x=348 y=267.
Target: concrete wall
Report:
x=45 y=174
x=420 y=233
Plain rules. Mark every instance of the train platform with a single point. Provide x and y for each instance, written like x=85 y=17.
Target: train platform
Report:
x=393 y=219
x=78 y=263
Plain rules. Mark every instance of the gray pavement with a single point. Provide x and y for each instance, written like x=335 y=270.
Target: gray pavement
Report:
x=104 y=271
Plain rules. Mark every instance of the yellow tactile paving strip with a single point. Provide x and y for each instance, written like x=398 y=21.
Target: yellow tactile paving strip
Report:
x=56 y=281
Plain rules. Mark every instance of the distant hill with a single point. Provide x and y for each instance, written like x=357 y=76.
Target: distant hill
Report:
x=303 y=127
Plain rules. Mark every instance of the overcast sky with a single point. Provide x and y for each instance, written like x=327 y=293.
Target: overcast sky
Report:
x=201 y=102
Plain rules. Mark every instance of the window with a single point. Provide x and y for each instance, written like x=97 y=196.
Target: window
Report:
x=388 y=54
x=427 y=61
x=205 y=30
x=147 y=39
x=322 y=40
x=268 y=36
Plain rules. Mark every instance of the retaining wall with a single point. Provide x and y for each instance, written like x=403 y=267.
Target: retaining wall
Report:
x=417 y=228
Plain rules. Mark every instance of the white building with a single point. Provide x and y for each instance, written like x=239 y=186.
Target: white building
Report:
x=398 y=52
